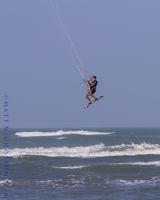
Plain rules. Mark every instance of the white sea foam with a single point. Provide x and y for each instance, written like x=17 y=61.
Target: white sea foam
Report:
x=152 y=182
x=61 y=138
x=59 y=133
x=76 y=181
x=99 y=150
x=6 y=181
x=69 y=182
x=155 y=163
x=45 y=182
x=71 y=167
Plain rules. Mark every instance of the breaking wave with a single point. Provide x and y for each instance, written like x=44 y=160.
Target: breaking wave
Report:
x=99 y=150
x=59 y=133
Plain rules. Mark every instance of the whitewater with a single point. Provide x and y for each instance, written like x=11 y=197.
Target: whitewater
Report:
x=99 y=150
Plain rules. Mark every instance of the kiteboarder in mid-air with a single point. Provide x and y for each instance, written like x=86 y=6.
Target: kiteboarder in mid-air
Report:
x=92 y=85
x=71 y=46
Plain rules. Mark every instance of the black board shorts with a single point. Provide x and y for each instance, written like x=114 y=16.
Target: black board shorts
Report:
x=92 y=91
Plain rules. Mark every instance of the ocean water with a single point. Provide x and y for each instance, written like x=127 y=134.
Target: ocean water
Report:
x=80 y=164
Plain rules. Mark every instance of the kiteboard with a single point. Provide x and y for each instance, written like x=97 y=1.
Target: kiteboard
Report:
x=93 y=102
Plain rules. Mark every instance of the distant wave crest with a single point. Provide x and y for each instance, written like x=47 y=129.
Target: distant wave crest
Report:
x=59 y=133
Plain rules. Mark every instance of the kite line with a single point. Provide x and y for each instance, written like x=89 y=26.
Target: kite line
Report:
x=67 y=38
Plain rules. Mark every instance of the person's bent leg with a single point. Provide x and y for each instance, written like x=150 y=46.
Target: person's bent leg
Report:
x=87 y=97
x=93 y=96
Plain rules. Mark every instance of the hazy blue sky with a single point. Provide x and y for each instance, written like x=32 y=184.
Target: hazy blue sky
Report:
x=118 y=41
